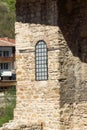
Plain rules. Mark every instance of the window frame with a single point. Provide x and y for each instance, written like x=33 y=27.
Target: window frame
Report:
x=45 y=72
x=4 y=66
x=5 y=53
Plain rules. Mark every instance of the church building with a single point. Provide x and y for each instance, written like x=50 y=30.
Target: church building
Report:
x=51 y=61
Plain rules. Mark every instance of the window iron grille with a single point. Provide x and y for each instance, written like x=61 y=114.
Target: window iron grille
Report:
x=41 y=61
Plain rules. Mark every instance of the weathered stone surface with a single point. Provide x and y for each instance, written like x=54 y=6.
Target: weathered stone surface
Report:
x=60 y=103
x=73 y=65
x=17 y=125
x=37 y=101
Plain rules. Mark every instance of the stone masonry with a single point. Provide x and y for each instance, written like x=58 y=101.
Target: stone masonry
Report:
x=59 y=103
x=73 y=62
x=37 y=101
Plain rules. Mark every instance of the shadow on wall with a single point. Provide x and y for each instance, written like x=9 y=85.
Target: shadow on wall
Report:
x=72 y=21
x=40 y=12
x=73 y=24
x=71 y=17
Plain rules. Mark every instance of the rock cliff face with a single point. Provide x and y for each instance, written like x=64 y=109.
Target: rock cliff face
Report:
x=60 y=103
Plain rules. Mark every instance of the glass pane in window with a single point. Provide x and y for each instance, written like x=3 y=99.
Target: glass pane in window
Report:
x=39 y=58
x=5 y=65
x=1 y=65
x=6 y=53
x=39 y=66
x=0 y=53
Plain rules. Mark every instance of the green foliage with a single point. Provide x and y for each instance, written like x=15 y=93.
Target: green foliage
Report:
x=10 y=3
x=7 y=110
x=7 y=18
x=8 y=115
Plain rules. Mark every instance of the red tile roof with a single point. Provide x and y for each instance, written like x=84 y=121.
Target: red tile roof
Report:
x=7 y=42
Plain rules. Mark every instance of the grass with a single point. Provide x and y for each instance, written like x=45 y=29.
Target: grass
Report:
x=8 y=108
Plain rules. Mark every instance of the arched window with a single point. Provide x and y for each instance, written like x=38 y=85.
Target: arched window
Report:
x=41 y=61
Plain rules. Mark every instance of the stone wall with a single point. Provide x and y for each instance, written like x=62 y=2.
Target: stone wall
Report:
x=37 y=101
x=18 y=126
x=60 y=103
x=73 y=64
